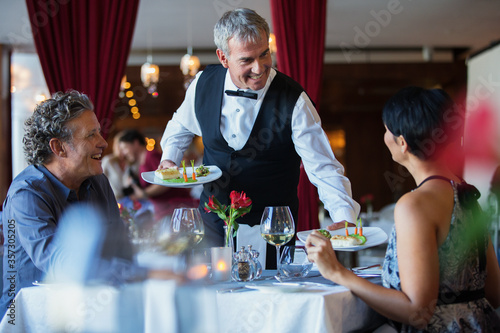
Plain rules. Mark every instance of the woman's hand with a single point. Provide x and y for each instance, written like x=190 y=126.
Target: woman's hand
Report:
x=320 y=251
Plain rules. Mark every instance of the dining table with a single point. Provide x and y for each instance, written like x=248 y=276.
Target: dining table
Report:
x=306 y=304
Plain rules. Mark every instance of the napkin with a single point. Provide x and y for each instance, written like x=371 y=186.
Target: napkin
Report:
x=248 y=235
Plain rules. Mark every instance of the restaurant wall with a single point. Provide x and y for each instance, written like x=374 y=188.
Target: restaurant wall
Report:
x=352 y=99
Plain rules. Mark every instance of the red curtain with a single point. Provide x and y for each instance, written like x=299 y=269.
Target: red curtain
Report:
x=299 y=26
x=84 y=45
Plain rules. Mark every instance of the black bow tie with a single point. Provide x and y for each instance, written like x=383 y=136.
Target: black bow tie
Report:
x=241 y=93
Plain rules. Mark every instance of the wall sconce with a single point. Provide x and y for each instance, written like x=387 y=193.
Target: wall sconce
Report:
x=190 y=64
x=150 y=73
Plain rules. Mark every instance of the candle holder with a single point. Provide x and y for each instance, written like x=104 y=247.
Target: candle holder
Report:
x=222 y=261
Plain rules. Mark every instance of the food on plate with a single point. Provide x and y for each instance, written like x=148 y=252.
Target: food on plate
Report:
x=361 y=238
x=358 y=235
x=184 y=173
x=358 y=232
x=168 y=173
x=344 y=241
x=325 y=233
x=202 y=171
x=193 y=170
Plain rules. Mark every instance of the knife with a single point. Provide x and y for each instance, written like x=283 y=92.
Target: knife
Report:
x=366 y=267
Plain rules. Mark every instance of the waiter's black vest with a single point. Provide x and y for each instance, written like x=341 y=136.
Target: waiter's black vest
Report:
x=267 y=168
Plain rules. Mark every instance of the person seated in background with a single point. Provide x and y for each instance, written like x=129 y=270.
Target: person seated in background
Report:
x=164 y=199
x=440 y=272
x=116 y=167
x=63 y=146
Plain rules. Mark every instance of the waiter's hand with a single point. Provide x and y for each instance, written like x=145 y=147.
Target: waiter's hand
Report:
x=339 y=225
x=166 y=164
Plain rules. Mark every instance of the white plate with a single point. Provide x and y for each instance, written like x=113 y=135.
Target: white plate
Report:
x=374 y=236
x=215 y=173
x=277 y=287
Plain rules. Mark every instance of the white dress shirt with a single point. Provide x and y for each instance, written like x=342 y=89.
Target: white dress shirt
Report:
x=237 y=119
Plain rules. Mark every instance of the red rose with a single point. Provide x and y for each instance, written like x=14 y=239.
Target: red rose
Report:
x=367 y=198
x=211 y=206
x=239 y=200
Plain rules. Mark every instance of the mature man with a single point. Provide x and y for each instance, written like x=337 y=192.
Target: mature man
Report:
x=257 y=125
x=63 y=146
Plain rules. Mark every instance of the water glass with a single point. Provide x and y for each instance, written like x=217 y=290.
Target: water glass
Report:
x=294 y=262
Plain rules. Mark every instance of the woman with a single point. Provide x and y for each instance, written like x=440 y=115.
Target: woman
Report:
x=438 y=274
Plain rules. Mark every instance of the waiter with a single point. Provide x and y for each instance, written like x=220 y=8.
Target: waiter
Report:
x=257 y=124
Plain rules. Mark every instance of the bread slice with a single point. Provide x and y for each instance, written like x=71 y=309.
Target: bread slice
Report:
x=169 y=173
x=344 y=241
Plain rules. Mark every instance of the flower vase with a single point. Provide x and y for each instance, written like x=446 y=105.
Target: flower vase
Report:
x=369 y=212
x=228 y=237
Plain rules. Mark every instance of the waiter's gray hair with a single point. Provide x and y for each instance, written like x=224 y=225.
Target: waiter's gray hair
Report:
x=243 y=24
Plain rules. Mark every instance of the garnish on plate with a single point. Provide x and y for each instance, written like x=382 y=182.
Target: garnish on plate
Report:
x=184 y=174
x=202 y=171
x=193 y=170
x=358 y=231
x=350 y=240
x=325 y=233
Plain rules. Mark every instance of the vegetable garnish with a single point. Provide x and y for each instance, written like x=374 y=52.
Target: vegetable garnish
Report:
x=325 y=233
x=184 y=174
x=361 y=238
x=358 y=232
x=346 y=231
x=202 y=171
x=192 y=167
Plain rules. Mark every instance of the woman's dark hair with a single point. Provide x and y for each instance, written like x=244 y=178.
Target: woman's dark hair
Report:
x=49 y=121
x=423 y=117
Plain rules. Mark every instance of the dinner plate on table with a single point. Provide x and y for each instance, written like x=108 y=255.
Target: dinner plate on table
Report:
x=374 y=236
x=215 y=173
x=276 y=287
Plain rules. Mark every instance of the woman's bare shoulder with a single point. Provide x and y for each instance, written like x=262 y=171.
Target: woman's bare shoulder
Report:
x=425 y=205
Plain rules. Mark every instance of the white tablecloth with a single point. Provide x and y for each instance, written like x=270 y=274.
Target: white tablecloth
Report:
x=161 y=306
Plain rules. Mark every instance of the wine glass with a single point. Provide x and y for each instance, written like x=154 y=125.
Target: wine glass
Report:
x=188 y=222
x=185 y=230
x=277 y=228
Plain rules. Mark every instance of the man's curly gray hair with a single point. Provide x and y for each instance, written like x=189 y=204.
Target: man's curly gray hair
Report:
x=243 y=24
x=49 y=121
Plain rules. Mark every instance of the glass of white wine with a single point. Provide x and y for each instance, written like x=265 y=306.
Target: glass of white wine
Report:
x=187 y=222
x=277 y=228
